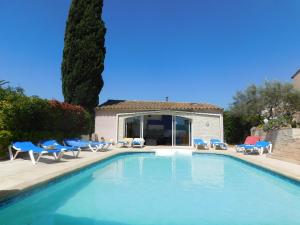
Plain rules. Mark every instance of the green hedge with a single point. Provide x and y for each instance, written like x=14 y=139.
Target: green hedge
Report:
x=5 y=139
x=33 y=119
x=237 y=128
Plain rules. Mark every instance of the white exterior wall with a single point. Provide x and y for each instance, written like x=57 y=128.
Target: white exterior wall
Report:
x=110 y=125
x=207 y=127
x=106 y=125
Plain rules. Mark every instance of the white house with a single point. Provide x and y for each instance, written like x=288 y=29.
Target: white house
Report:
x=159 y=123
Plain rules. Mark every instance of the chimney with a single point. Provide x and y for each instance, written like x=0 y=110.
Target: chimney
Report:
x=167 y=99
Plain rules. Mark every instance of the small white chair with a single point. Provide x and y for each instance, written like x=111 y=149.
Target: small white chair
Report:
x=126 y=142
x=138 y=142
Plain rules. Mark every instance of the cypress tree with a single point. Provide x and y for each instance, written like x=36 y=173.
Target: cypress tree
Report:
x=83 y=54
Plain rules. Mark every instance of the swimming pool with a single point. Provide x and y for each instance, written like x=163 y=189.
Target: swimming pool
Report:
x=146 y=189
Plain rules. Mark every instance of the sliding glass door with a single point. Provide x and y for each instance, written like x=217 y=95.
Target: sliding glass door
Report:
x=133 y=127
x=159 y=129
x=182 y=131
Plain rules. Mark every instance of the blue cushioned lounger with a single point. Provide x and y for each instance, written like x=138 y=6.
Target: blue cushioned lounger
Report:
x=32 y=149
x=214 y=143
x=53 y=144
x=102 y=145
x=260 y=147
x=76 y=142
x=198 y=142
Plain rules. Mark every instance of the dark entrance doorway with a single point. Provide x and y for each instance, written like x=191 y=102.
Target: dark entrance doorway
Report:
x=158 y=129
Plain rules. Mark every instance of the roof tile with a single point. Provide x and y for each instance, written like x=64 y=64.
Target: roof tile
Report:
x=155 y=105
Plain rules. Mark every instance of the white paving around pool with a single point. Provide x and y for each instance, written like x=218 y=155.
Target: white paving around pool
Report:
x=20 y=174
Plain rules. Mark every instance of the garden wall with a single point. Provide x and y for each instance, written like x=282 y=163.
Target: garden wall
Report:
x=280 y=137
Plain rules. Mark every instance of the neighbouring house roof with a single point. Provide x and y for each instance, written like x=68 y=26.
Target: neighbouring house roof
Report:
x=295 y=74
x=123 y=105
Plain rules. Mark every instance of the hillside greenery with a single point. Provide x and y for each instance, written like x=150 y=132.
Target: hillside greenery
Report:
x=269 y=106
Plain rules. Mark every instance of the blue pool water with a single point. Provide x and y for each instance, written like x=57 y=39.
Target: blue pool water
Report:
x=144 y=189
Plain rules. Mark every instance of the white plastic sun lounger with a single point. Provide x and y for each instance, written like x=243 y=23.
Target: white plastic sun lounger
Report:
x=32 y=150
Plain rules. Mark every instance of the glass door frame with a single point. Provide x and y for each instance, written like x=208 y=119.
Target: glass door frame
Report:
x=174 y=130
x=141 y=118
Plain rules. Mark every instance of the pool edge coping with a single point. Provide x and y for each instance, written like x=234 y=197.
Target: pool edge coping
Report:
x=52 y=177
x=24 y=187
x=266 y=168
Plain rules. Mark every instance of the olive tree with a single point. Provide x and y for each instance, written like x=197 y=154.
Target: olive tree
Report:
x=273 y=102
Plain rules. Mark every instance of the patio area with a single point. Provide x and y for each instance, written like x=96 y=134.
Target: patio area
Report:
x=21 y=175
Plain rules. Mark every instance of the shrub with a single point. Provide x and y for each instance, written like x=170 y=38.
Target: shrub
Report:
x=277 y=123
x=5 y=139
x=237 y=127
x=34 y=119
x=69 y=117
x=274 y=101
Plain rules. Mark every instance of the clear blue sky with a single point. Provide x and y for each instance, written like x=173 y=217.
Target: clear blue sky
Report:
x=189 y=50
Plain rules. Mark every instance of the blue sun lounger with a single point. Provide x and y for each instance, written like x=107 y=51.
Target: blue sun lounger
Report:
x=102 y=145
x=53 y=144
x=216 y=143
x=76 y=142
x=199 y=143
x=32 y=149
x=260 y=147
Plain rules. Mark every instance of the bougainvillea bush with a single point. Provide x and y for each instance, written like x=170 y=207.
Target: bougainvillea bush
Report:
x=34 y=119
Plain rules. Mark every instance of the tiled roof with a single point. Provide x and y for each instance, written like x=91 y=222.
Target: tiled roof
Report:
x=122 y=105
